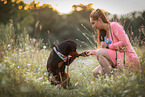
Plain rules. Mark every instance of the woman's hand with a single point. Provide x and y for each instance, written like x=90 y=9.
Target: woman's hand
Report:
x=103 y=44
x=85 y=53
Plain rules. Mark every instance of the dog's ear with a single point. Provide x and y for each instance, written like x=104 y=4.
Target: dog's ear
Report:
x=72 y=46
x=67 y=46
x=64 y=47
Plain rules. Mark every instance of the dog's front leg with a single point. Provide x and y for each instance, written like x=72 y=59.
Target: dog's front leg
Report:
x=61 y=78
x=70 y=60
x=60 y=75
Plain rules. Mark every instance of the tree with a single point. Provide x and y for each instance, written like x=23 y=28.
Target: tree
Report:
x=46 y=20
x=5 y=11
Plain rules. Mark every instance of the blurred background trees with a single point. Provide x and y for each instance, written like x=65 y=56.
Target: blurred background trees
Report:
x=44 y=22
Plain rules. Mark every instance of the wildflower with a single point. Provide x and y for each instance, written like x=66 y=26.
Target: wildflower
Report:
x=88 y=90
x=131 y=93
x=111 y=92
x=45 y=77
x=141 y=60
x=134 y=82
x=46 y=83
x=111 y=76
x=44 y=47
x=28 y=64
x=118 y=88
x=106 y=85
x=23 y=70
x=113 y=89
x=23 y=62
x=139 y=85
x=20 y=69
x=40 y=78
x=9 y=45
x=126 y=91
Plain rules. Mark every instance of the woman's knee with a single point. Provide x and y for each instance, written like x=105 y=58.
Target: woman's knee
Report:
x=101 y=52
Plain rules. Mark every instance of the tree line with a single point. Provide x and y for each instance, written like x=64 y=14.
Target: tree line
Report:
x=44 y=22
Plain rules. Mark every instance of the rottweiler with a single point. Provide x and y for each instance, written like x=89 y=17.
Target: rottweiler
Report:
x=61 y=56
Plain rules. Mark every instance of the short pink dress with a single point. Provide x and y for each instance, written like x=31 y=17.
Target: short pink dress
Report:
x=120 y=41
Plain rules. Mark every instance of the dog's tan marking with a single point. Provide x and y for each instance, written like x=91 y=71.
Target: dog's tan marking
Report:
x=61 y=78
x=60 y=64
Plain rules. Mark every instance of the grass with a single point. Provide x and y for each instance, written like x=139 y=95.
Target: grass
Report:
x=23 y=74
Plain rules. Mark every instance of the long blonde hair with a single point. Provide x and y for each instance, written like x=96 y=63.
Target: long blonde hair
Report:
x=101 y=33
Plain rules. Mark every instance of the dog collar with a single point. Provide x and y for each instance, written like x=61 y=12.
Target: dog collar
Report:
x=63 y=57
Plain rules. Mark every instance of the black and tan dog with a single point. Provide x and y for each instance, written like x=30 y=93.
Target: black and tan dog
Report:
x=61 y=56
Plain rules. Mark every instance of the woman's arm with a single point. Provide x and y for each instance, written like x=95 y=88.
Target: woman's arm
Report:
x=88 y=53
x=120 y=36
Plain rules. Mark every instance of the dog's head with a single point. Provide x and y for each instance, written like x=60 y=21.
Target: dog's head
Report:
x=68 y=47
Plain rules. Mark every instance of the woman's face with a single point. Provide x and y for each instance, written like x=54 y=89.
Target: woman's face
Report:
x=95 y=23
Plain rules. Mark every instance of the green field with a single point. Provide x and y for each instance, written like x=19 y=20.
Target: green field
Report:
x=23 y=73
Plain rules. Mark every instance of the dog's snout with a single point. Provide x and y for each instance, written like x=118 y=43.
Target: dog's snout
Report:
x=74 y=54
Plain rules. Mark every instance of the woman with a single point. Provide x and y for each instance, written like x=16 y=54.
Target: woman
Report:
x=115 y=49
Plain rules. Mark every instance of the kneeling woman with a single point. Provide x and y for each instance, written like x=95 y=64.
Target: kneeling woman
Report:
x=115 y=48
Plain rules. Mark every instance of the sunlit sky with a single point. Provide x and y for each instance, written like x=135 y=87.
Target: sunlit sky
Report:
x=112 y=6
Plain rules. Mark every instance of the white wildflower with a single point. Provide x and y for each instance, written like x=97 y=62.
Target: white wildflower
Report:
x=126 y=91
x=9 y=45
x=44 y=47
x=29 y=64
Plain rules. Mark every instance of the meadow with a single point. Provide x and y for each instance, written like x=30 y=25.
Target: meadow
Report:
x=23 y=72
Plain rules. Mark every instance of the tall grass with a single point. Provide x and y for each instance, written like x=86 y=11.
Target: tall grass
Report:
x=23 y=73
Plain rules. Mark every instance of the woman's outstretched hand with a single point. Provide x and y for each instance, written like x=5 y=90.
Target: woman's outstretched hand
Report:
x=85 y=53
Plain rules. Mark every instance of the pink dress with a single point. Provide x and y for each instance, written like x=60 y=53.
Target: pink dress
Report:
x=121 y=41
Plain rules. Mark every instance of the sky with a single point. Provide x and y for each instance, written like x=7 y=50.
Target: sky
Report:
x=112 y=6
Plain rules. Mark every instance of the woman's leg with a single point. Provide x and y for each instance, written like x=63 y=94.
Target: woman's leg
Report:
x=97 y=71
x=105 y=62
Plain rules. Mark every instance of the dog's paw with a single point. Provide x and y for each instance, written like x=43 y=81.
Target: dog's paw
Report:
x=85 y=53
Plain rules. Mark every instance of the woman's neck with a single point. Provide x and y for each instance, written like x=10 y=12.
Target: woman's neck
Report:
x=107 y=28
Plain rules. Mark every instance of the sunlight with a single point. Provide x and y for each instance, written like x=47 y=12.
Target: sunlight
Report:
x=64 y=10
x=112 y=6
x=62 y=7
